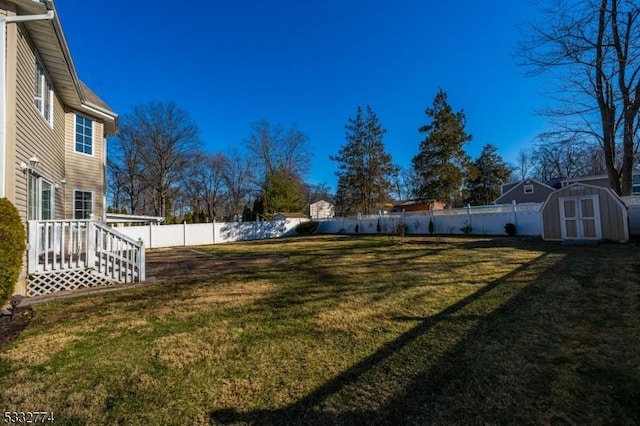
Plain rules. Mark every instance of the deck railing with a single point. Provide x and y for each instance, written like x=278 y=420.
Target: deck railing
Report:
x=84 y=245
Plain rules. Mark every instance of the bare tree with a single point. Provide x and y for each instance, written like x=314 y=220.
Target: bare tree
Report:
x=524 y=164
x=126 y=169
x=205 y=185
x=164 y=140
x=592 y=48
x=238 y=177
x=279 y=152
x=275 y=148
x=403 y=183
x=560 y=157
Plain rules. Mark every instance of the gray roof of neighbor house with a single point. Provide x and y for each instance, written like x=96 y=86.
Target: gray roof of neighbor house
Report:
x=49 y=40
x=510 y=192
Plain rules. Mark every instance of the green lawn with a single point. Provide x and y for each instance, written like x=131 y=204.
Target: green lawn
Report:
x=364 y=330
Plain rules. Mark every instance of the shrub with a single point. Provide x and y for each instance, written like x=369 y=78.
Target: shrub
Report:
x=510 y=229
x=12 y=247
x=467 y=228
x=307 y=228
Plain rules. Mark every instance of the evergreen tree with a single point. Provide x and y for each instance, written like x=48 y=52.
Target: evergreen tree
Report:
x=488 y=172
x=282 y=192
x=441 y=163
x=364 y=167
x=258 y=208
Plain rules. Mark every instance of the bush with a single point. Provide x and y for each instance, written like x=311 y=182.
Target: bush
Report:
x=510 y=229
x=467 y=228
x=12 y=247
x=307 y=228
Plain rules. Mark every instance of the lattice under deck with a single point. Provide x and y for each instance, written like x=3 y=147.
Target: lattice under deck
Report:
x=65 y=280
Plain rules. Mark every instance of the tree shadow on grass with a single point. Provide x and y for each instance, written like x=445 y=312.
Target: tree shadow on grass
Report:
x=517 y=351
x=402 y=379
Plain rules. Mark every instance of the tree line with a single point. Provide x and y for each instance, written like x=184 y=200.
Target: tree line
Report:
x=440 y=171
x=157 y=166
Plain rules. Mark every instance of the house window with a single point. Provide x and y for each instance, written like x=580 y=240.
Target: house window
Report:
x=43 y=94
x=528 y=189
x=82 y=204
x=84 y=135
x=636 y=185
x=41 y=198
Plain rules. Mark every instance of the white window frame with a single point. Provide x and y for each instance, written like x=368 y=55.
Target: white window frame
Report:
x=75 y=135
x=35 y=200
x=43 y=93
x=528 y=189
x=93 y=201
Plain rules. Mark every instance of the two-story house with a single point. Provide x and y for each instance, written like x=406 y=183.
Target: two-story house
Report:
x=53 y=128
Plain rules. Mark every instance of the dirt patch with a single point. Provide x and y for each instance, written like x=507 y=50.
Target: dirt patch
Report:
x=10 y=330
x=184 y=263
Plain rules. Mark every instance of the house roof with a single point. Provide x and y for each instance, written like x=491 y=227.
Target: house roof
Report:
x=292 y=215
x=48 y=39
x=513 y=187
x=568 y=181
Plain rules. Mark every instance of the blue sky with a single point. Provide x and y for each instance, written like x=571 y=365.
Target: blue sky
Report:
x=231 y=63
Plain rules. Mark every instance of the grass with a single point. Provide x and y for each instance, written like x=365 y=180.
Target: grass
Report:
x=362 y=330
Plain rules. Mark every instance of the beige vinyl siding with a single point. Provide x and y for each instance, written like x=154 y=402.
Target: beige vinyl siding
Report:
x=34 y=135
x=613 y=217
x=85 y=172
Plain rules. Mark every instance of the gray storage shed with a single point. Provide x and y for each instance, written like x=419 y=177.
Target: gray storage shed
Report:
x=584 y=212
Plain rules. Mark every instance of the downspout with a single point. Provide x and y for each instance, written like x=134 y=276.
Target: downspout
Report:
x=3 y=88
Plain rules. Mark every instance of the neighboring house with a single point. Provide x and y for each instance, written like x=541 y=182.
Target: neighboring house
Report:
x=290 y=215
x=526 y=191
x=54 y=128
x=603 y=181
x=418 y=206
x=321 y=210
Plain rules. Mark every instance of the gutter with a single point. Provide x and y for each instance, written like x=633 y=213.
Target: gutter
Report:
x=3 y=87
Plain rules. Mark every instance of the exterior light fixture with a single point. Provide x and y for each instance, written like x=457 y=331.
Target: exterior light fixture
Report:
x=34 y=162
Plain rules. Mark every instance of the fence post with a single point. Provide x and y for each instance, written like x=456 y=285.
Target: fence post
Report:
x=184 y=233
x=91 y=244
x=32 y=263
x=515 y=213
x=141 y=262
x=214 y=231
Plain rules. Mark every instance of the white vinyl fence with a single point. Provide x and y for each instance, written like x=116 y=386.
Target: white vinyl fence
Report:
x=196 y=234
x=485 y=220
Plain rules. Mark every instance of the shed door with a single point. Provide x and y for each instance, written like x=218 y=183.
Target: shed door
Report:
x=580 y=217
